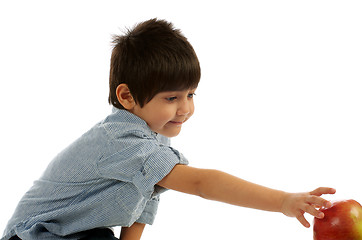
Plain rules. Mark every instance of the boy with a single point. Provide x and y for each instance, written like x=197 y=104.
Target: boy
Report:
x=114 y=174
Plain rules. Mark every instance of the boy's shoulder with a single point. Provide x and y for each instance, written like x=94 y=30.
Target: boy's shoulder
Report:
x=121 y=123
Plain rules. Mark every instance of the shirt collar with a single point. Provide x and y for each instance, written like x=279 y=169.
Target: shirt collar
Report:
x=128 y=117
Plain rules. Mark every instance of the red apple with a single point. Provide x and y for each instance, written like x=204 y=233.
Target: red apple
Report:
x=342 y=221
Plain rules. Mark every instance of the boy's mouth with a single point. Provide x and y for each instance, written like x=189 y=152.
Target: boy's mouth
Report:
x=176 y=122
x=179 y=122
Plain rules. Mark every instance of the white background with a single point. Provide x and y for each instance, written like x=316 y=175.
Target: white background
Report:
x=279 y=101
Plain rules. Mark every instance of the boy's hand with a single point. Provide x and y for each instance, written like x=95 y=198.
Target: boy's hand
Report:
x=296 y=204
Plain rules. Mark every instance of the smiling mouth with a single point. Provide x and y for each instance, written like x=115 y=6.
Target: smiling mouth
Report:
x=176 y=123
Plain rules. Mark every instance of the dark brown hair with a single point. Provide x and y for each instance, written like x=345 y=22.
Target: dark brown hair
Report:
x=152 y=57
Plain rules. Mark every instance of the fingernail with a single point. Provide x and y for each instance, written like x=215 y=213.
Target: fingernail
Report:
x=321 y=215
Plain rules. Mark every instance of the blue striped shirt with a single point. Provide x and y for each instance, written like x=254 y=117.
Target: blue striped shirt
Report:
x=105 y=178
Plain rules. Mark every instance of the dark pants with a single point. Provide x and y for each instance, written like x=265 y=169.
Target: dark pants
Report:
x=99 y=234
x=94 y=234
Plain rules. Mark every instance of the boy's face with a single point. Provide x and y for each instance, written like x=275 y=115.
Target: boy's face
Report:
x=167 y=111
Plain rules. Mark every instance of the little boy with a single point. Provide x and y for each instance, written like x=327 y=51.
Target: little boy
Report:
x=113 y=175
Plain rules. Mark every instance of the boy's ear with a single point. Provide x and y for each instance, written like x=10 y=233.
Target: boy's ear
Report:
x=125 y=97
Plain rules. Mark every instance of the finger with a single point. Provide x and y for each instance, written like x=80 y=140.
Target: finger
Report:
x=312 y=211
x=318 y=202
x=303 y=221
x=323 y=190
x=316 y=206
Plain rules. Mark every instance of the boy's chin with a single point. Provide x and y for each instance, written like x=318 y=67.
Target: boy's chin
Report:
x=170 y=133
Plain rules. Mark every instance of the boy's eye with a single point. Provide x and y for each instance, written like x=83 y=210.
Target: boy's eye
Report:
x=191 y=95
x=171 y=99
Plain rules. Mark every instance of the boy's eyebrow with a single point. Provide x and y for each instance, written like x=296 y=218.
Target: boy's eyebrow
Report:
x=177 y=91
x=185 y=90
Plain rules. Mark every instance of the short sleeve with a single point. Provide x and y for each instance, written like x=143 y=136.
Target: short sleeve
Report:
x=157 y=165
x=141 y=161
x=149 y=212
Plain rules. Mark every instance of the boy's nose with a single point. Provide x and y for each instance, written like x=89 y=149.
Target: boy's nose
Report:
x=184 y=108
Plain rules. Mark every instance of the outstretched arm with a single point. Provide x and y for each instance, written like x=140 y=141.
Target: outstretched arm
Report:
x=220 y=186
x=133 y=232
